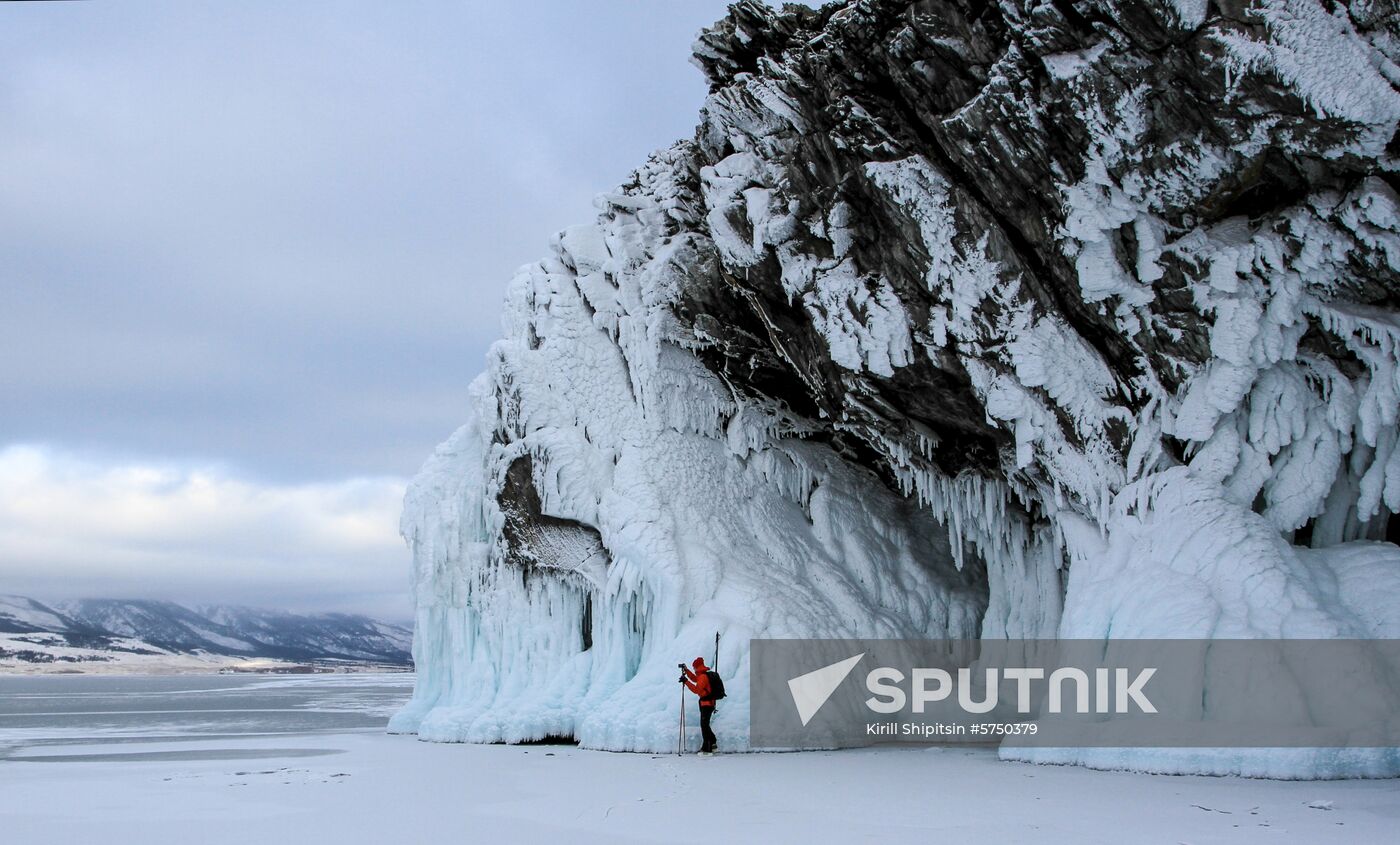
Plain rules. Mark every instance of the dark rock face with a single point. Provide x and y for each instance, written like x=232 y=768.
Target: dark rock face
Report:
x=1056 y=130
x=534 y=538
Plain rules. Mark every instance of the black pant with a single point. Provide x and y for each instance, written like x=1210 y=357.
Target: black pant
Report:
x=706 y=711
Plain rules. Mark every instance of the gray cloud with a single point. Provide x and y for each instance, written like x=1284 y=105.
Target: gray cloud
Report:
x=278 y=233
x=74 y=527
x=273 y=237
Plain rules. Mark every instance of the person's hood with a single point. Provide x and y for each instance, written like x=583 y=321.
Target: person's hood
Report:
x=699 y=665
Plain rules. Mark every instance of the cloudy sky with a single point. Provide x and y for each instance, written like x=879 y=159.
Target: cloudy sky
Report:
x=251 y=254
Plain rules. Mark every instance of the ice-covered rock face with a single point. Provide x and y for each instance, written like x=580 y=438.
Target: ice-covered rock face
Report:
x=954 y=319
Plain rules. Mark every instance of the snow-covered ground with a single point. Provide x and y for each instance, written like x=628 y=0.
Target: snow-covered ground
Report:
x=72 y=772
x=371 y=788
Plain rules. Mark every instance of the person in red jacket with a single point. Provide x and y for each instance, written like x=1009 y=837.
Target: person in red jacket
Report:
x=699 y=683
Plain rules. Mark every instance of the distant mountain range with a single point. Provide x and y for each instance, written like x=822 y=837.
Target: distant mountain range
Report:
x=162 y=636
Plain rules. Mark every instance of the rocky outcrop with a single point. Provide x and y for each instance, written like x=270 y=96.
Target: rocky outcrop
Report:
x=1014 y=319
x=1028 y=229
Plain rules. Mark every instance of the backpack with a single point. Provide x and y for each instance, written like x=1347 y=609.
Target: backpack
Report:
x=716 y=685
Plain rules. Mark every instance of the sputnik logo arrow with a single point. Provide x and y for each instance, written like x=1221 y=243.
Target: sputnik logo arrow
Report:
x=811 y=691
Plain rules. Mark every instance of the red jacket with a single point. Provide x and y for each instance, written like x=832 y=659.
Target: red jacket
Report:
x=699 y=683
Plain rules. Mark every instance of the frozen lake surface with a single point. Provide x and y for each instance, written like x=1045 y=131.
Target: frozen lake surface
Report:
x=268 y=760
x=41 y=711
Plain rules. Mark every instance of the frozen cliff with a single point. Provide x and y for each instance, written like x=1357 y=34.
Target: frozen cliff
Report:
x=954 y=319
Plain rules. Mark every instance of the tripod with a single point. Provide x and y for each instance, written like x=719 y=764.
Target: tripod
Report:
x=680 y=743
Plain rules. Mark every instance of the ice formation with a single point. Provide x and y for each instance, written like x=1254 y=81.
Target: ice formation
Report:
x=1015 y=320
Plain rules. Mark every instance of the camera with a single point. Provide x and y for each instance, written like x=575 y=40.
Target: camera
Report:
x=680 y=666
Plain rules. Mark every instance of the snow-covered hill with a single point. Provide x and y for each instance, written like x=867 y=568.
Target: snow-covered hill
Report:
x=953 y=319
x=108 y=634
x=19 y=615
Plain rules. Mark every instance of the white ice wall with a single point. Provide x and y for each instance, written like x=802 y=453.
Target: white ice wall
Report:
x=712 y=521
